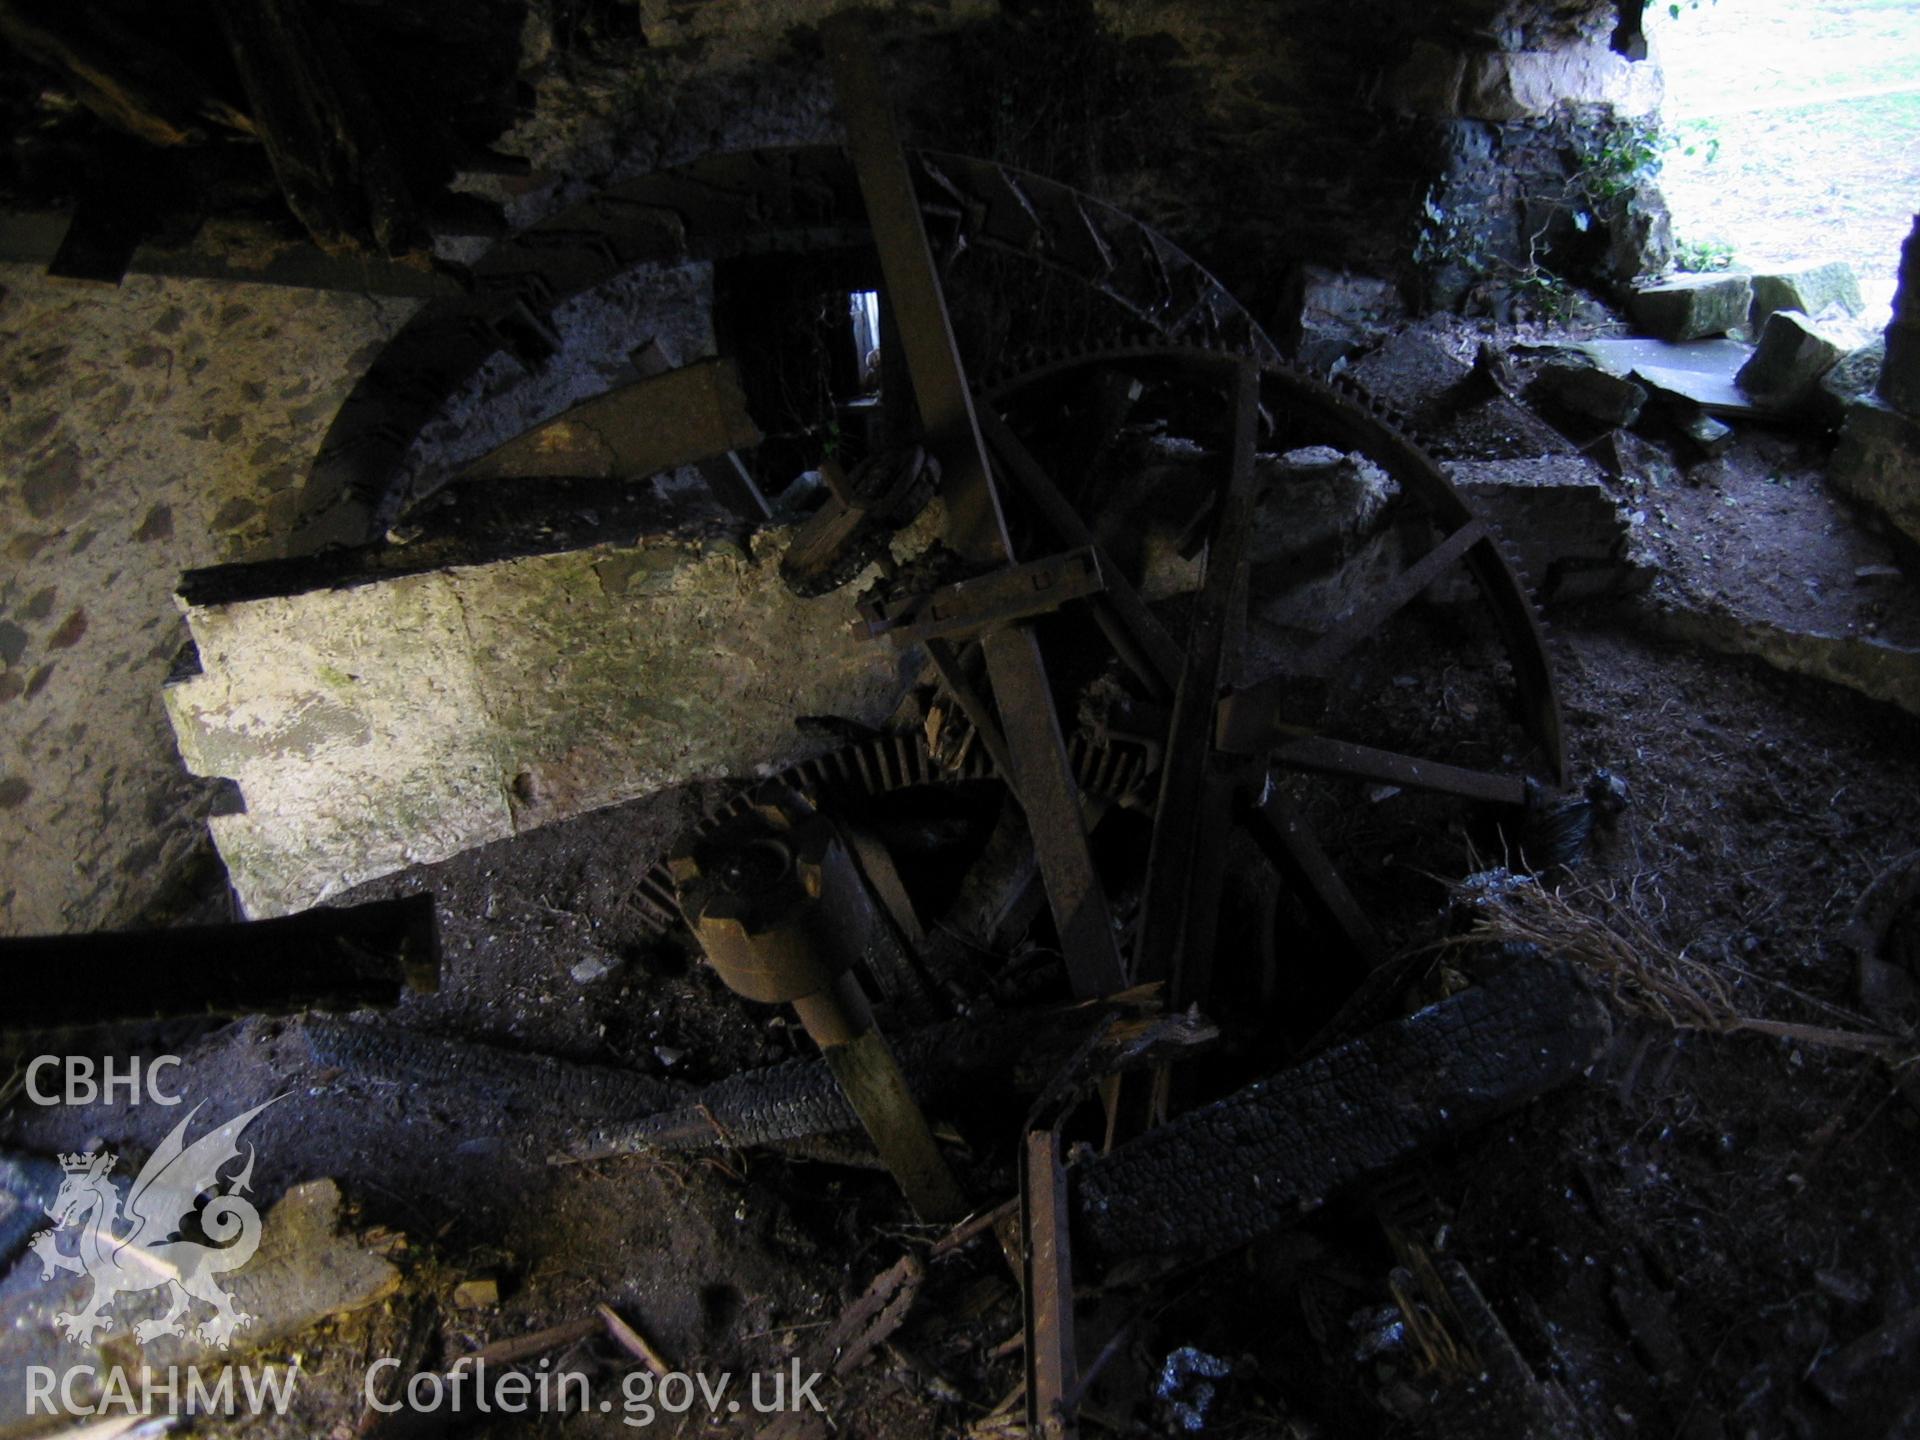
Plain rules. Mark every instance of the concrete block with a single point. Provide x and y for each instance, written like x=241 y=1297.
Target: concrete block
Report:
x=377 y=725
x=1877 y=462
x=1333 y=313
x=1810 y=289
x=1686 y=307
x=1562 y=524
x=1790 y=357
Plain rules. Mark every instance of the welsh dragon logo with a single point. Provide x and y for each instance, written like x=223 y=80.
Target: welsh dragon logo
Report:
x=140 y=1245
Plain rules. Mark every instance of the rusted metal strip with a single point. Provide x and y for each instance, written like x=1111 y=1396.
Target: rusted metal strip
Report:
x=1194 y=801
x=1241 y=728
x=949 y=664
x=1053 y=1370
x=976 y=528
x=1121 y=601
x=1043 y=780
x=1327 y=756
x=1290 y=844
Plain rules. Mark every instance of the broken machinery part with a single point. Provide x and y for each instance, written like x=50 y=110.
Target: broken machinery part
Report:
x=782 y=912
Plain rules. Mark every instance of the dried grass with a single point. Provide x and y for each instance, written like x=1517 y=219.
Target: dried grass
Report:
x=1642 y=975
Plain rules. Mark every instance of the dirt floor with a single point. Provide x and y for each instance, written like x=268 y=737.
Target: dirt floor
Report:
x=1710 y=1235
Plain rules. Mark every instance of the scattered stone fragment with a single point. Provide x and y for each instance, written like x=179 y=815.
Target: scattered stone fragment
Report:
x=480 y=1293
x=1621 y=453
x=592 y=968
x=1810 y=289
x=1790 y=357
x=1706 y=434
x=1589 y=393
x=1877 y=462
x=1877 y=572
x=1687 y=307
x=1608 y=451
x=1490 y=363
x=1450 y=406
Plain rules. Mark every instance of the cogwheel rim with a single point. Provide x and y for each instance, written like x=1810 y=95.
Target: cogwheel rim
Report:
x=1378 y=431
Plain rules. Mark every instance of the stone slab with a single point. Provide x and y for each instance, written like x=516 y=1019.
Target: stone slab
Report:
x=370 y=727
x=1866 y=666
x=1699 y=371
x=1791 y=357
x=1689 y=307
x=1810 y=289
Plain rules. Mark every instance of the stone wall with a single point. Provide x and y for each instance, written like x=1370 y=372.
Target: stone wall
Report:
x=1877 y=461
x=1900 y=374
x=1258 y=134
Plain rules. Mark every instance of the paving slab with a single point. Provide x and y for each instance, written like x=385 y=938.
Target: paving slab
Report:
x=1701 y=371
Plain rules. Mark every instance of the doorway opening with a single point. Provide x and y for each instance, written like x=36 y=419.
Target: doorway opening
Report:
x=1794 y=130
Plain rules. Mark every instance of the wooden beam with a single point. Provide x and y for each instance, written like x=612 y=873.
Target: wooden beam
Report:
x=323 y=133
